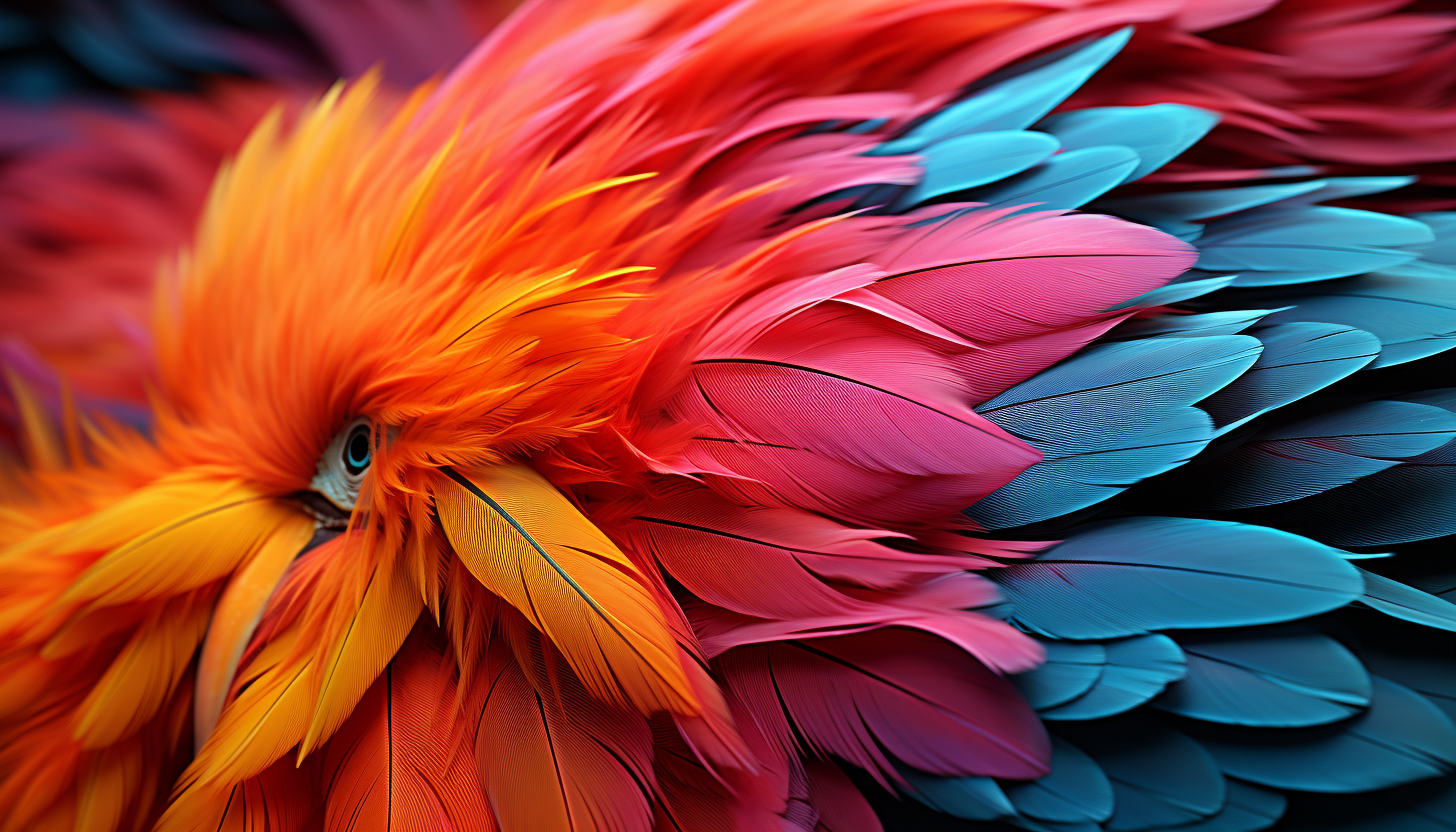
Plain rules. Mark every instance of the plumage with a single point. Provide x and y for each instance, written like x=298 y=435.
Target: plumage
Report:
x=1290 y=676
x=722 y=416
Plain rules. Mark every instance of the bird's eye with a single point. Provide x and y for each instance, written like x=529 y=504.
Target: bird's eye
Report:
x=357 y=450
x=342 y=468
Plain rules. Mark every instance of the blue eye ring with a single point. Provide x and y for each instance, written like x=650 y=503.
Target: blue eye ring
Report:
x=358 y=450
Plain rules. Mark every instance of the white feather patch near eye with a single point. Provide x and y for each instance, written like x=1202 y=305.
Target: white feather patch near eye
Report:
x=345 y=462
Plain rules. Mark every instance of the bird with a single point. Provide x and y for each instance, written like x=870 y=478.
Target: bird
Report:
x=732 y=415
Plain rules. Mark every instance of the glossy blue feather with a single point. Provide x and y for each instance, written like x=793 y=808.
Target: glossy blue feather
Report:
x=1282 y=677
x=1443 y=226
x=1070 y=670
x=979 y=159
x=1160 y=777
x=1136 y=669
x=1191 y=285
x=1413 y=313
x=1298 y=359
x=1138 y=575
x=1190 y=326
x=1400 y=738
x=1067 y=180
x=1202 y=205
x=1076 y=791
x=1279 y=246
x=971 y=798
x=1410 y=501
x=1013 y=102
x=1103 y=420
x=1322 y=452
x=1156 y=133
x=1406 y=602
x=1247 y=809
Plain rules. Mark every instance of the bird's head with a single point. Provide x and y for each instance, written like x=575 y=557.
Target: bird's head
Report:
x=386 y=322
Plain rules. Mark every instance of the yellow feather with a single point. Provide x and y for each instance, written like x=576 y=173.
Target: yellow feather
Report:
x=185 y=533
x=236 y=617
x=263 y=722
x=525 y=542
x=361 y=645
x=143 y=675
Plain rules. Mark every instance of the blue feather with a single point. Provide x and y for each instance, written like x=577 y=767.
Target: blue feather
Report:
x=1406 y=602
x=1136 y=670
x=1282 y=677
x=1412 y=313
x=1323 y=452
x=1192 y=326
x=1297 y=360
x=970 y=798
x=1402 y=737
x=1277 y=246
x=1103 y=420
x=1346 y=187
x=1076 y=791
x=1180 y=207
x=1159 y=777
x=1443 y=225
x=1411 y=501
x=1248 y=809
x=1137 y=575
x=1070 y=670
x=1067 y=180
x=980 y=159
x=1193 y=284
x=1157 y=133
x=1015 y=102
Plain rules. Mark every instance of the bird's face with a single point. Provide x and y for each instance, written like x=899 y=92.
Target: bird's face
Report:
x=357 y=362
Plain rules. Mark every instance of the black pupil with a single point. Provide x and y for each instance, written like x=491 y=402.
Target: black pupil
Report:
x=356 y=452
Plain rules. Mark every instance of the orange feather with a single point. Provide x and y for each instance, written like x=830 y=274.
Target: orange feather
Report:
x=528 y=544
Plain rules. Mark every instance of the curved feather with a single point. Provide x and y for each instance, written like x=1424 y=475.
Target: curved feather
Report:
x=142 y=677
x=969 y=798
x=358 y=639
x=177 y=534
x=1247 y=809
x=528 y=544
x=1297 y=360
x=1031 y=91
x=1066 y=180
x=1278 y=246
x=965 y=162
x=1406 y=602
x=1324 y=451
x=402 y=760
x=889 y=693
x=559 y=760
x=1134 y=671
x=235 y=617
x=1126 y=577
x=1070 y=670
x=1107 y=418
x=1156 y=133
x=1076 y=791
x=1407 y=501
x=1412 y=312
x=1276 y=677
x=1160 y=777
x=1400 y=738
